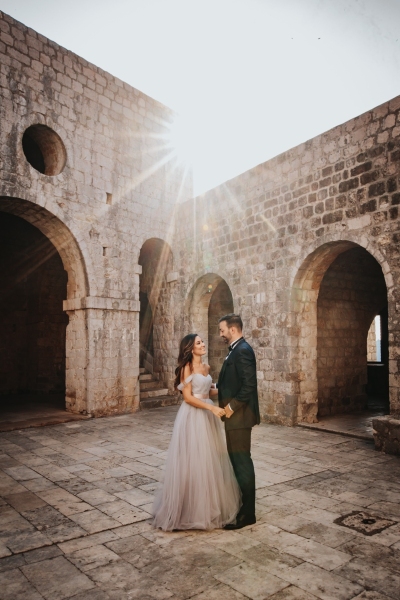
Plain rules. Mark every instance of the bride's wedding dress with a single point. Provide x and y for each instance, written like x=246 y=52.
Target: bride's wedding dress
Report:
x=200 y=490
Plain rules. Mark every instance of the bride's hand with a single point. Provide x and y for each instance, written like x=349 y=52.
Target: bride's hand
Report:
x=217 y=411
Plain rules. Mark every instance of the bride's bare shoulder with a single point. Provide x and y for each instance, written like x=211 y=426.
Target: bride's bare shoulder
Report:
x=207 y=367
x=186 y=372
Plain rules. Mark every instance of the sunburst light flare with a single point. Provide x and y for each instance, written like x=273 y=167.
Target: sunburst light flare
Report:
x=181 y=140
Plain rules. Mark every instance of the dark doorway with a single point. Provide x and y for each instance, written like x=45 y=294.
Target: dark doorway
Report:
x=209 y=299
x=32 y=320
x=352 y=293
x=221 y=303
x=155 y=318
x=146 y=337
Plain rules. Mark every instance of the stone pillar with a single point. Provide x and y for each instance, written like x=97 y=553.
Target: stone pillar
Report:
x=76 y=360
x=304 y=353
x=102 y=355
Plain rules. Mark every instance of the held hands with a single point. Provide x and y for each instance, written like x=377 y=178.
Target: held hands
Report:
x=217 y=411
x=221 y=412
x=228 y=412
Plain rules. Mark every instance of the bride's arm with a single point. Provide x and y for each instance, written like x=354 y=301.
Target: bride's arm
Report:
x=213 y=391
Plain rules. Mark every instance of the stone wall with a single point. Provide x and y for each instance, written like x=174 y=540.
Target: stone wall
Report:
x=103 y=182
x=273 y=232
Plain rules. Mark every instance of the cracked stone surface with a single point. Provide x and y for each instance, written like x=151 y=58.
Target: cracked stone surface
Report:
x=75 y=521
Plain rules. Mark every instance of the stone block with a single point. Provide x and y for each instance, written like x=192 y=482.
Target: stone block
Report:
x=65 y=581
x=386 y=432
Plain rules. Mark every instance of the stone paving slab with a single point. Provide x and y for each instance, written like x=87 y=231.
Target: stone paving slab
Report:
x=74 y=518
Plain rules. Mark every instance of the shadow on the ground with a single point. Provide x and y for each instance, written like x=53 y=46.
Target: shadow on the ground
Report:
x=19 y=411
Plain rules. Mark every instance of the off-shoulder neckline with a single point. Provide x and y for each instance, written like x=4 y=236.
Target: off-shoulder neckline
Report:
x=193 y=374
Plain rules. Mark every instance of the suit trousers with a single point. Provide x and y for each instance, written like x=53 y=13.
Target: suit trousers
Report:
x=238 y=442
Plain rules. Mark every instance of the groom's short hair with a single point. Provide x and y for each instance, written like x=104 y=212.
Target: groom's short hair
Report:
x=232 y=320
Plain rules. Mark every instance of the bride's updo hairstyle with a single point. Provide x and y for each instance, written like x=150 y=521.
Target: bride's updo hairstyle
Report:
x=185 y=356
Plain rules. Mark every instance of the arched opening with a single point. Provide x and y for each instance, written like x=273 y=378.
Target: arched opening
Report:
x=155 y=318
x=210 y=299
x=352 y=293
x=32 y=321
x=337 y=293
x=40 y=266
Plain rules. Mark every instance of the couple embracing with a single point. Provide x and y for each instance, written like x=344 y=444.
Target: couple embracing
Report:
x=209 y=482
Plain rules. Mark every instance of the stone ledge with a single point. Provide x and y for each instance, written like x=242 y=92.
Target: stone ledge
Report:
x=100 y=303
x=345 y=431
x=387 y=434
x=159 y=402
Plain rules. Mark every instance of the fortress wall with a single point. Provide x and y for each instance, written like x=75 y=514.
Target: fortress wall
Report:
x=270 y=234
x=118 y=188
x=273 y=232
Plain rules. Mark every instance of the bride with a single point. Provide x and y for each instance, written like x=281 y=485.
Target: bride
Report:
x=200 y=490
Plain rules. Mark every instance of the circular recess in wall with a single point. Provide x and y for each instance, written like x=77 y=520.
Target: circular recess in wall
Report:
x=44 y=149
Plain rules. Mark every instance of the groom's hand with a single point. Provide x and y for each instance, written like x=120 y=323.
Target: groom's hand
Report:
x=228 y=411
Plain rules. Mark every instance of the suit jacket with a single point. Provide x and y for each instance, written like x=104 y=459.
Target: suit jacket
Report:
x=237 y=386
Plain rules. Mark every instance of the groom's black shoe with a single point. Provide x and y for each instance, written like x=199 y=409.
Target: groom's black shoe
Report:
x=241 y=521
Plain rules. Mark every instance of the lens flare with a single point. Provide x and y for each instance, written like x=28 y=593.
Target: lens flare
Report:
x=181 y=140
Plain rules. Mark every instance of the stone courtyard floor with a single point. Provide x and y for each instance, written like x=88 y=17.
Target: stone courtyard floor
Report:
x=74 y=518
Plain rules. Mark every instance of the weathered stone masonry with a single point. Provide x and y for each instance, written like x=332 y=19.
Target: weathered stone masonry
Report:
x=304 y=246
x=118 y=188
x=273 y=233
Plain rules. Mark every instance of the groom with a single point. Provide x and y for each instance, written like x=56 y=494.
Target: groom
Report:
x=237 y=394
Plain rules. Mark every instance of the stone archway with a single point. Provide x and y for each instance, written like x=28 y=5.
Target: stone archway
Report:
x=210 y=299
x=32 y=321
x=60 y=236
x=337 y=291
x=155 y=319
x=51 y=270
x=352 y=292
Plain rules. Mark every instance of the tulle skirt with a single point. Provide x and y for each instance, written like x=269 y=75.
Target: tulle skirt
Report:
x=199 y=490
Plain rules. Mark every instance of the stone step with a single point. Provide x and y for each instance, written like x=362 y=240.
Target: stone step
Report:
x=152 y=383
x=159 y=401
x=154 y=393
x=145 y=377
x=142 y=370
x=340 y=430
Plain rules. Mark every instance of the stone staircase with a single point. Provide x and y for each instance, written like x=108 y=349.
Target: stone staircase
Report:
x=152 y=393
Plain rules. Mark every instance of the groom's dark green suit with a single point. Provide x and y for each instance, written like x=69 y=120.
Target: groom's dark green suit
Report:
x=237 y=386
